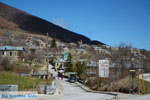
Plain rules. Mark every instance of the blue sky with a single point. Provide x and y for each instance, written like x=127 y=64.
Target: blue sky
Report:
x=109 y=21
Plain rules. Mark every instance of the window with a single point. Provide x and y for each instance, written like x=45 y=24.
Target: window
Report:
x=10 y=53
x=3 y=53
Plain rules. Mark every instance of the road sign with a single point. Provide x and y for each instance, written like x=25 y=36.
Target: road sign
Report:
x=103 y=68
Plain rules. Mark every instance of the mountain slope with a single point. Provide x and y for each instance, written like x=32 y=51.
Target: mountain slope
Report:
x=36 y=25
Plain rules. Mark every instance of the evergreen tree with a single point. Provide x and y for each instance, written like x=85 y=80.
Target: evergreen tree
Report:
x=78 y=44
x=54 y=47
x=53 y=43
x=68 y=64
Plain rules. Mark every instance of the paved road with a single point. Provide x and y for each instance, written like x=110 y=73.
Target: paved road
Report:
x=72 y=92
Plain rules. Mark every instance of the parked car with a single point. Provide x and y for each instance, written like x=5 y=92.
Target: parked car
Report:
x=72 y=79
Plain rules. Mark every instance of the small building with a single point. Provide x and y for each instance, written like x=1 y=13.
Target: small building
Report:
x=41 y=44
x=11 y=52
x=105 y=46
x=135 y=51
x=84 y=46
x=81 y=51
x=60 y=63
x=101 y=50
x=72 y=44
x=40 y=74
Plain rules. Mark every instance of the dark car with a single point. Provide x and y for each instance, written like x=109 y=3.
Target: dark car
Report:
x=72 y=79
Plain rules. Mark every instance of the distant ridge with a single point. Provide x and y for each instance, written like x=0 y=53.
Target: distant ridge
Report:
x=13 y=18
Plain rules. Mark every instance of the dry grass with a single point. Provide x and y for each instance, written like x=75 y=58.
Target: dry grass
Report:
x=118 y=86
x=17 y=32
x=123 y=86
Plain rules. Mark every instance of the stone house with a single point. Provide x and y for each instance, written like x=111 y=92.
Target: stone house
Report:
x=11 y=52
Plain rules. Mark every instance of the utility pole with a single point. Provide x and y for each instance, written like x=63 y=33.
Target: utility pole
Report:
x=47 y=61
x=132 y=84
x=98 y=83
x=19 y=78
x=138 y=81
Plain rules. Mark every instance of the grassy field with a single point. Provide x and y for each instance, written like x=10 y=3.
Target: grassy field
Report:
x=7 y=78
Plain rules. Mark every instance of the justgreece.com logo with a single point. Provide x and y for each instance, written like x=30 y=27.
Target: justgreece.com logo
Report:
x=18 y=95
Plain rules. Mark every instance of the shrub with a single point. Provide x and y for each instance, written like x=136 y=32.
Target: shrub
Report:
x=21 y=69
x=37 y=66
x=6 y=64
x=1 y=68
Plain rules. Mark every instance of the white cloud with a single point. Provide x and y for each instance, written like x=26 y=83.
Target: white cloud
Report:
x=61 y=22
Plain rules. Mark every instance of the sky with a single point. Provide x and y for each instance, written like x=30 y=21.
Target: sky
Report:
x=109 y=21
